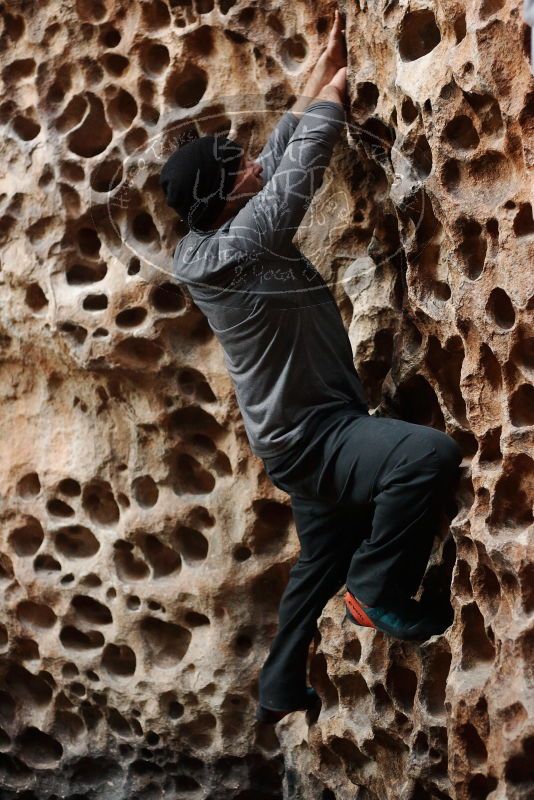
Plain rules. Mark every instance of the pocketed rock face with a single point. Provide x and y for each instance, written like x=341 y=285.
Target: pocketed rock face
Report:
x=144 y=550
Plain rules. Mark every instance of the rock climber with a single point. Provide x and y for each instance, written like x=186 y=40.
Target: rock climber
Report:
x=366 y=491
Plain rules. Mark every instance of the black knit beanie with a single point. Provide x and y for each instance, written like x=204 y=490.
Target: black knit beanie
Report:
x=198 y=176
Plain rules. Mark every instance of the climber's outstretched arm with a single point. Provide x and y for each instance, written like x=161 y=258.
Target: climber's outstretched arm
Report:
x=330 y=62
x=333 y=58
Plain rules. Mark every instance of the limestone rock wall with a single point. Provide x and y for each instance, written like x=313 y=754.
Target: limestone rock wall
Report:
x=143 y=549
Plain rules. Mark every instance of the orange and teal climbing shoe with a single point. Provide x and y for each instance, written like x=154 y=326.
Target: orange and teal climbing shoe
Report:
x=406 y=619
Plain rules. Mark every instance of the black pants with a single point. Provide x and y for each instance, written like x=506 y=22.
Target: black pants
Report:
x=366 y=493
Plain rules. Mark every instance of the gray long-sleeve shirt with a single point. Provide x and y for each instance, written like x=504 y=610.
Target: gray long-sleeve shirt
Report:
x=282 y=334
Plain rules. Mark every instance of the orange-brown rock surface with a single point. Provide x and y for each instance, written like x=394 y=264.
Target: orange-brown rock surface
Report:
x=143 y=548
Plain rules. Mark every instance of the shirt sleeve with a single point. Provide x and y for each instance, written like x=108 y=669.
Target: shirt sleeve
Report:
x=276 y=144
x=270 y=219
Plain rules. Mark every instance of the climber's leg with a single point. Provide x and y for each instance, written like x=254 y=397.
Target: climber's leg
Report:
x=328 y=536
x=408 y=471
x=410 y=490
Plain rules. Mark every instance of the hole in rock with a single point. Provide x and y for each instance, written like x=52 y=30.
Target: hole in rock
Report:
x=418 y=403
x=519 y=767
x=88 y=242
x=110 y=36
x=122 y=110
x=276 y=22
x=127 y=565
x=500 y=308
x=523 y=221
x=167 y=298
x=91 y=10
x=137 y=352
x=117 y=65
x=18 y=70
x=242 y=644
x=145 y=491
x=491 y=369
x=195 y=619
x=156 y=15
x=154 y=58
x=46 y=563
x=487 y=586
x=81 y=274
x=25 y=128
x=419 y=34
x=367 y=95
x=226 y=5
x=461 y=133
x=490 y=7
x=353 y=689
x=187 y=89
x=522 y=405
x=450 y=174
x=143 y=228
x=523 y=350
x=511 y=505
x=350 y=754
x=91 y=610
x=242 y=553
x=27 y=688
x=422 y=157
x=94 y=134
x=472 y=248
x=118 y=723
x=189 y=477
x=191 y=544
x=76 y=541
x=477 y=647
x=27 y=539
x=475 y=748
x=131 y=317
x=526 y=580
x=434 y=681
x=106 y=176
x=492 y=226
x=38 y=749
x=58 y=508
x=119 y=660
x=29 y=485
x=480 y=786
x=402 y=685
x=166 y=642
x=460 y=27
x=200 y=731
x=133 y=602
x=161 y=558
x=352 y=650
x=99 y=503
x=445 y=364
x=91 y=580
x=37 y=615
x=35 y=297
x=408 y=110
x=272 y=513
x=293 y=52
x=69 y=487
x=192 y=382
x=73 y=639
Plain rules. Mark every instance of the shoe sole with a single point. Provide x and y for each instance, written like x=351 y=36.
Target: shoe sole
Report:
x=394 y=634
x=264 y=714
x=357 y=613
